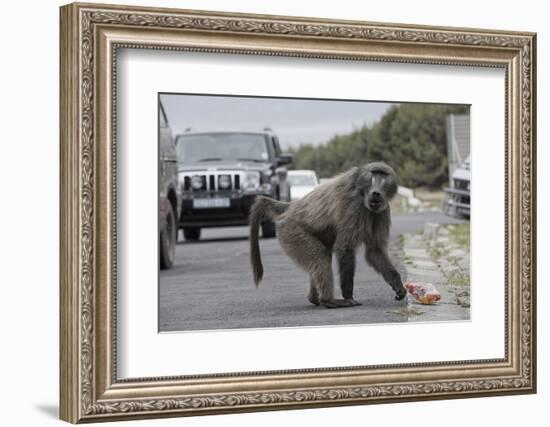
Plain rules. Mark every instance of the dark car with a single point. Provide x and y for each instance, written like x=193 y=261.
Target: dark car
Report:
x=169 y=193
x=222 y=173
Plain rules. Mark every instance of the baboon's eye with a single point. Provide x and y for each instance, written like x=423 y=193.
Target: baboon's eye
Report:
x=369 y=180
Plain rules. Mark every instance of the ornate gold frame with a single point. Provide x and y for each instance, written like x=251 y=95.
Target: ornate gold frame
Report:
x=90 y=35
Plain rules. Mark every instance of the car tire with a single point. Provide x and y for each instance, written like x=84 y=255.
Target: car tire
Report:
x=268 y=230
x=192 y=234
x=168 y=238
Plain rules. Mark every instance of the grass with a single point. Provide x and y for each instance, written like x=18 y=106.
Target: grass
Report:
x=436 y=251
x=407 y=260
x=458 y=278
x=461 y=235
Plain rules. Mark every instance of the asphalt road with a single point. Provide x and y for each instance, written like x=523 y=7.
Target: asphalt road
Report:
x=211 y=287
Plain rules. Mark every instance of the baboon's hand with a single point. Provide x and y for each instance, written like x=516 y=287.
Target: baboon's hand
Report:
x=397 y=285
x=400 y=293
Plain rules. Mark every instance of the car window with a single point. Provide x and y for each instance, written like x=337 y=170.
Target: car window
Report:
x=206 y=147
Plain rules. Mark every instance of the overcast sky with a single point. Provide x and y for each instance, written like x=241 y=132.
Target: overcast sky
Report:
x=295 y=121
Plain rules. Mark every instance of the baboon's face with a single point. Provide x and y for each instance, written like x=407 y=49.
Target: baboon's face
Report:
x=380 y=187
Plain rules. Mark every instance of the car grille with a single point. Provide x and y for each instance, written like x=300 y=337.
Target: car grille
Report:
x=210 y=181
x=461 y=184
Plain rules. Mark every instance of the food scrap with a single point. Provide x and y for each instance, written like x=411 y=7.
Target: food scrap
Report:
x=424 y=293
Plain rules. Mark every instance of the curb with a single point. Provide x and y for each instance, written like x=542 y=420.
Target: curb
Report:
x=434 y=257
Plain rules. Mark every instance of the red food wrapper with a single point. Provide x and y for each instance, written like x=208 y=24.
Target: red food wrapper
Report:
x=424 y=293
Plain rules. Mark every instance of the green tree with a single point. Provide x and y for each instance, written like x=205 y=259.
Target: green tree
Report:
x=412 y=138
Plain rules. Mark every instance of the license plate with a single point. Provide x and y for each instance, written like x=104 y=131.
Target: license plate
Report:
x=221 y=202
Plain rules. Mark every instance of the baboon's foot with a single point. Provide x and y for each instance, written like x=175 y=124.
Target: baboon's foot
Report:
x=340 y=303
x=313 y=298
x=354 y=302
x=400 y=293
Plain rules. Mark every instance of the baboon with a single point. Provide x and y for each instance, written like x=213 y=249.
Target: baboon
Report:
x=336 y=217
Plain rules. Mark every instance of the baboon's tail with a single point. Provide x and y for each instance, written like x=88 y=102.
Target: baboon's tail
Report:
x=263 y=209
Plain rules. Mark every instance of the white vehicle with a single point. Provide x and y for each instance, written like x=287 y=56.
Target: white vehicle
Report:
x=301 y=182
x=458 y=195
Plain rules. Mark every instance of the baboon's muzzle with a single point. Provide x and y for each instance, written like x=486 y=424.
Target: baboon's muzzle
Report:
x=375 y=200
x=376 y=204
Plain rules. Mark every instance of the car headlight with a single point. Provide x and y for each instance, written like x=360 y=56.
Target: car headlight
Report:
x=265 y=187
x=224 y=182
x=251 y=181
x=197 y=182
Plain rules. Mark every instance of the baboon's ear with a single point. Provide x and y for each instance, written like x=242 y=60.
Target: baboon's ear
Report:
x=395 y=177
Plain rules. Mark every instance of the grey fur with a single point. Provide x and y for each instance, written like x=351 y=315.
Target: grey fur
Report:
x=336 y=217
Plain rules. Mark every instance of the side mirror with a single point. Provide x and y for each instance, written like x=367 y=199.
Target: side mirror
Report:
x=285 y=159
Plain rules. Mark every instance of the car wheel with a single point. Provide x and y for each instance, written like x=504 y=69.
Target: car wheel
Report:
x=192 y=233
x=168 y=236
x=268 y=229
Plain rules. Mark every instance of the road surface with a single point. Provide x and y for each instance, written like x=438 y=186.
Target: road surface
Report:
x=211 y=287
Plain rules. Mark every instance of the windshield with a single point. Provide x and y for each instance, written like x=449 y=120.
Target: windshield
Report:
x=212 y=147
x=302 y=180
